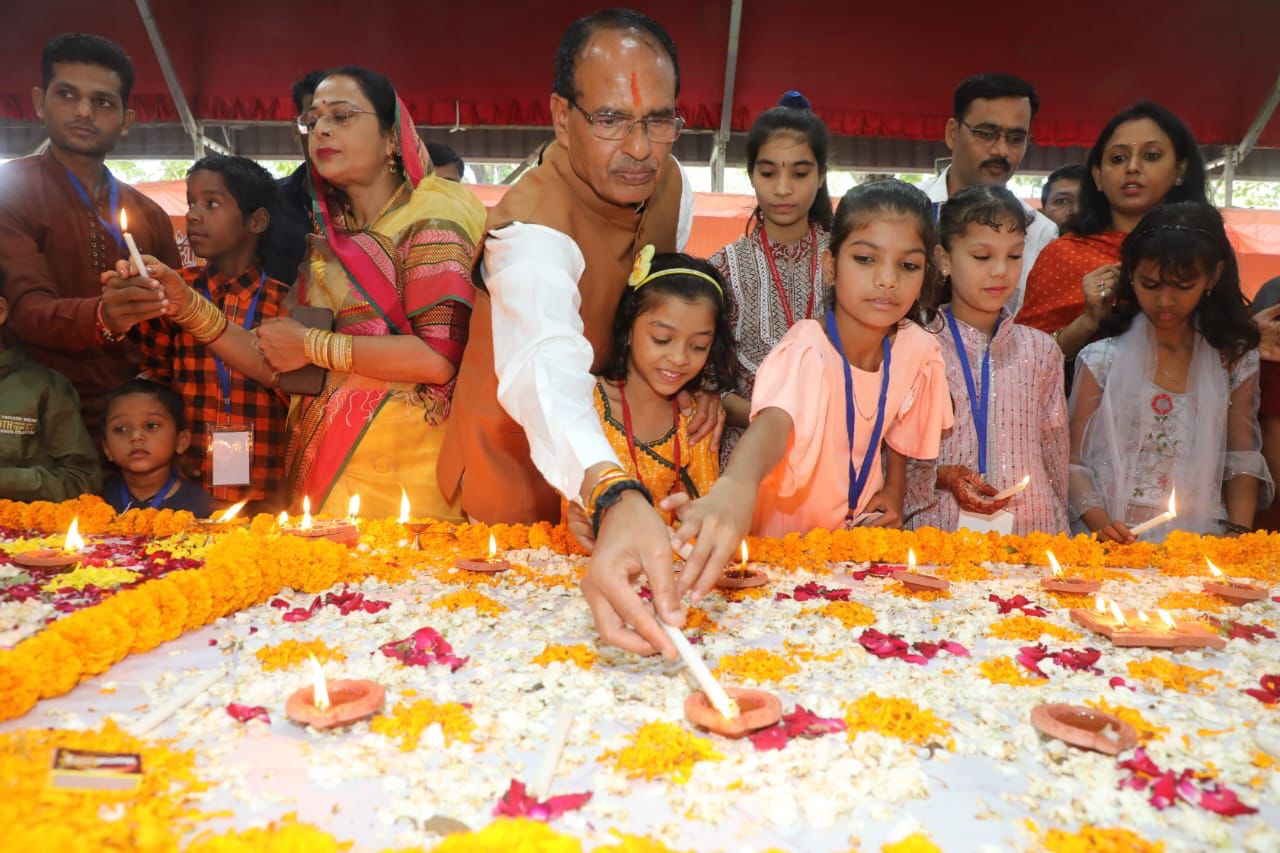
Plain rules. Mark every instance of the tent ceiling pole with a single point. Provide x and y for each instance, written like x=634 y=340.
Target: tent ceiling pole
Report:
x=1239 y=152
x=1230 y=155
x=198 y=140
x=720 y=149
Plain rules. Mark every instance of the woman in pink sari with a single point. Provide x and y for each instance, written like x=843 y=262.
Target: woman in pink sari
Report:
x=391 y=259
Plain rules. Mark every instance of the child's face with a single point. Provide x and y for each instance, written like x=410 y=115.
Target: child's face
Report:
x=141 y=435
x=670 y=343
x=878 y=271
x=984 y=264
x=1169 y=304
x=786 y=179
x=215 y=224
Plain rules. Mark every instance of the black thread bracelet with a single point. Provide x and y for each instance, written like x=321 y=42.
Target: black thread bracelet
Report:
x=611 y=496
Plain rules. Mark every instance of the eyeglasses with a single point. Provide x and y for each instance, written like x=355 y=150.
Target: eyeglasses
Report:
x=990 y=133
x=341 y=117
x=611 y=126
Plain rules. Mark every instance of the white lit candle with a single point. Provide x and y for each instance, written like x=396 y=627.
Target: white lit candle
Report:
x=1014 y=489
x=1164 y=517
x=134 y=255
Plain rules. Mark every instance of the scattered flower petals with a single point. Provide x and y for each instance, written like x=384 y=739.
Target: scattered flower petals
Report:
x=1168 y=787
x=893 y=646
x=245 y=713
x=1268 y=690
x=799 y=723
x=423 y=648
x=517 y=802
x=812 y=590
x=1018 y=602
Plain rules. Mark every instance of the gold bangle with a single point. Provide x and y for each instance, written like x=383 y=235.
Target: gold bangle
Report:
x=203 y=320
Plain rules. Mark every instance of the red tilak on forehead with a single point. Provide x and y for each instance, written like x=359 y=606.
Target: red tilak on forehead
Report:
x=635 y=92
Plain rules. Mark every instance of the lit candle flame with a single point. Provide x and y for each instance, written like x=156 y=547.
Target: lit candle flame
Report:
x=911 y=560
x=124 y=220
x=73 y=542
x=1142 y=617
x=744 y=552
x=1053 y=564
x=283 y=519
x=493 y=547
x=231 y=512
x=353 y=509
x=1217 y=572
x=1118 y=613
x=1173 y=510
x=1100 y=603
x=404 y=506
x=1166 y=618
x=306 y=513
x=321 y=685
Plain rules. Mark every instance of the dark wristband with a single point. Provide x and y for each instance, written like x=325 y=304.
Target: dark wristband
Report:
x=611 y=496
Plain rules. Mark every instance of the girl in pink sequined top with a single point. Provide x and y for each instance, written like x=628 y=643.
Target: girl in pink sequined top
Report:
x=1005 y=380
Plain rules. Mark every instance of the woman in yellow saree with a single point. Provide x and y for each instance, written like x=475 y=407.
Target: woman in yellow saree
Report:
x=391 y=258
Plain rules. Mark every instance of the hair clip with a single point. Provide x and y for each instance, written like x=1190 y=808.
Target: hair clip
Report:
x=793 y=99
x=640 y=269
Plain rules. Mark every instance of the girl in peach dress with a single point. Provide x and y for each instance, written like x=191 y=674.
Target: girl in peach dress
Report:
x=836 y=391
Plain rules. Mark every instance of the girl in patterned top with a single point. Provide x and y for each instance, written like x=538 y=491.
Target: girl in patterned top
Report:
x=1005 y=379
x=1168 y=400
x=671 y=334
x=774 y=270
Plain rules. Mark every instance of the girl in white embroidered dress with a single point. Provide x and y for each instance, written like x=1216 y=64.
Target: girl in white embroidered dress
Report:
x=1170 y=400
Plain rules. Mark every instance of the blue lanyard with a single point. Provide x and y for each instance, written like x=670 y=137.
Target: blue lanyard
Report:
x=977 y=403
x=127 y=500
x=858 y=479
x=224 y=375
x=112 y=227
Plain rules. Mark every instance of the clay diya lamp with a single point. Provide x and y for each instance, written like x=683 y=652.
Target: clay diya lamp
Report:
x=341 y=702
x=1067 y=584
x=492 y=565
x=344 y=532
x=54 y=559
x=757 y=710
x=1085 y=727
x=919 y=581
x=1236 y=592
x=434 y=537
x=743 y=577
x=226 y=520
x=1129 y=628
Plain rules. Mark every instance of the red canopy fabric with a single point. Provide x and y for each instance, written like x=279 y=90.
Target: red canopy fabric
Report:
x=870 y=69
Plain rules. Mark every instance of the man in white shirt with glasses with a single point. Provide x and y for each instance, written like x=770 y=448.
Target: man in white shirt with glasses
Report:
x=989 y=133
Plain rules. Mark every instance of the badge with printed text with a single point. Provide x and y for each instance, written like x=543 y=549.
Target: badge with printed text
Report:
x=231 y=449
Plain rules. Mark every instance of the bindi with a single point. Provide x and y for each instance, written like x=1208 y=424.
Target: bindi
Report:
x=635 y=92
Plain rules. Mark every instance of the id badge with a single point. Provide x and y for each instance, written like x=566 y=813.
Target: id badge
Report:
x=231 y=449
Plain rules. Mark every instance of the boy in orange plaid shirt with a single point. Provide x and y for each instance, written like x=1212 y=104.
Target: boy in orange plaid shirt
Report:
x=237 y=424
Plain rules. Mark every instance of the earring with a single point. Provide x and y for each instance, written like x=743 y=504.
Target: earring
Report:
x=391 y=165
x=1178 y=182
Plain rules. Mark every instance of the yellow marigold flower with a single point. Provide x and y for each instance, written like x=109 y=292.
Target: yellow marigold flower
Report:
x=1029 y=628
x=1007 y=671
x=1146 y=731
x=923 y=595
x=1093 y=839
x=482 y=604
x=507 y=835
x=635 y=844
x=157 y=816
x=106 y=578
x=662 y=749
x=1174 y=676
x=410 y=719
x=290 y=653
x=916 y=842
x=757 y=665
x=581 y=655
x=850 y=613
x=894 y=717
x=1184 y=600
x=282 y=836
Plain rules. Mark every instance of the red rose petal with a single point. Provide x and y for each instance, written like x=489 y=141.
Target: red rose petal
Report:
x=245 y=713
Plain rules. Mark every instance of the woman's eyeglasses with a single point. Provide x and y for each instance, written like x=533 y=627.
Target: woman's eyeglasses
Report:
x=340 y=117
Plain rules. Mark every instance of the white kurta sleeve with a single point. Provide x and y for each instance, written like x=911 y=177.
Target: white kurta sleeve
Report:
x=684 y=225
x=540 y=355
